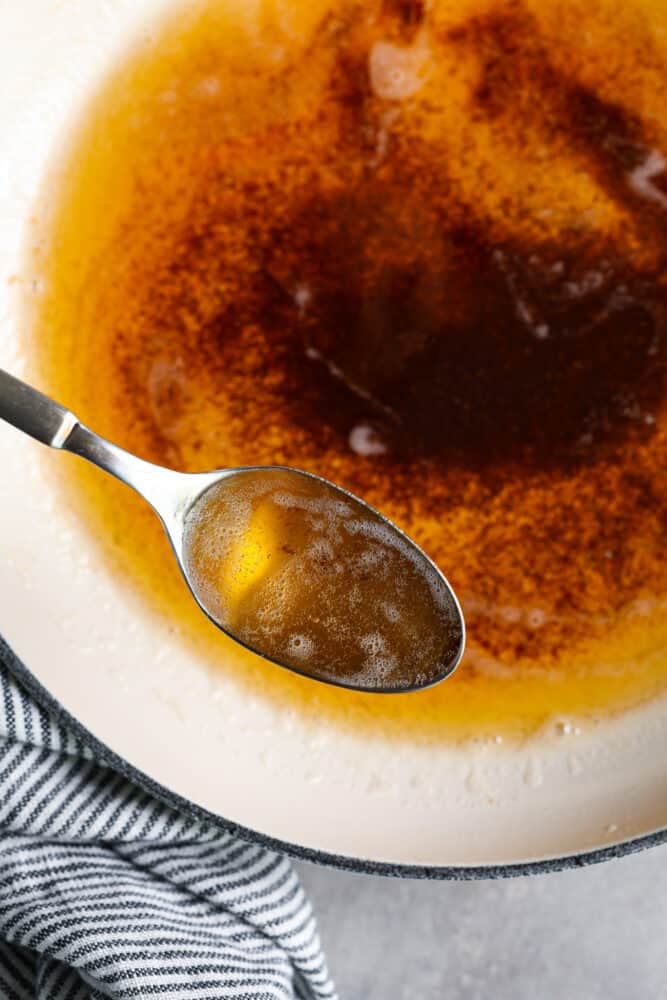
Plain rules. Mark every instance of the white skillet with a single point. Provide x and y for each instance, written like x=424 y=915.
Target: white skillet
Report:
x=97 y=653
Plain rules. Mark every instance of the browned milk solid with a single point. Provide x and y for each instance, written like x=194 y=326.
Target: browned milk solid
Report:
x=418 y=249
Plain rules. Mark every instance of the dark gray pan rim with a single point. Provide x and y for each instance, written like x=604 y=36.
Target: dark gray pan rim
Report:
x=341 y=862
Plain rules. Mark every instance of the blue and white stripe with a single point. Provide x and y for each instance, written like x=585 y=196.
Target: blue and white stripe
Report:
x=107 y=892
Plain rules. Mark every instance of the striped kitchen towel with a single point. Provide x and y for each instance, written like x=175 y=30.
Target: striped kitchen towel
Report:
x=107 y=892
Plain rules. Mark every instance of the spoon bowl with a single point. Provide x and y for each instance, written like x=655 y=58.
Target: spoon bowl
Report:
x=285 y=562
x=311 y=577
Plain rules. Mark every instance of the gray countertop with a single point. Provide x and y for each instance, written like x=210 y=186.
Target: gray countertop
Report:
x=597 y=933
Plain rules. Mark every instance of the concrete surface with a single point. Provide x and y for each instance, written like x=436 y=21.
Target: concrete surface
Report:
x=593 y=934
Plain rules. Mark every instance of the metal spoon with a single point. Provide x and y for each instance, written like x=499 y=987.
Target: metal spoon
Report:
x=285 y=562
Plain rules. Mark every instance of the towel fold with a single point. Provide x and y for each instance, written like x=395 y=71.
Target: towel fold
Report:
x=107 y=892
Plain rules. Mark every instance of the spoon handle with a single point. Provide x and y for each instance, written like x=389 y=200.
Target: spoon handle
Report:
x=33 y=413
x=47 y=421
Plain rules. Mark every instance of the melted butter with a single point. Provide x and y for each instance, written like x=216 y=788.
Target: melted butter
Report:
x=308 y=576
x=419 y=251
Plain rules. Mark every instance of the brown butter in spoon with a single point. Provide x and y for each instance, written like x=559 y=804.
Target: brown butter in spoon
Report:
x=319 y=582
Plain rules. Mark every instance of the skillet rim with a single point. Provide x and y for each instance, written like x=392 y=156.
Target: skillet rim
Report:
x=297 y=852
